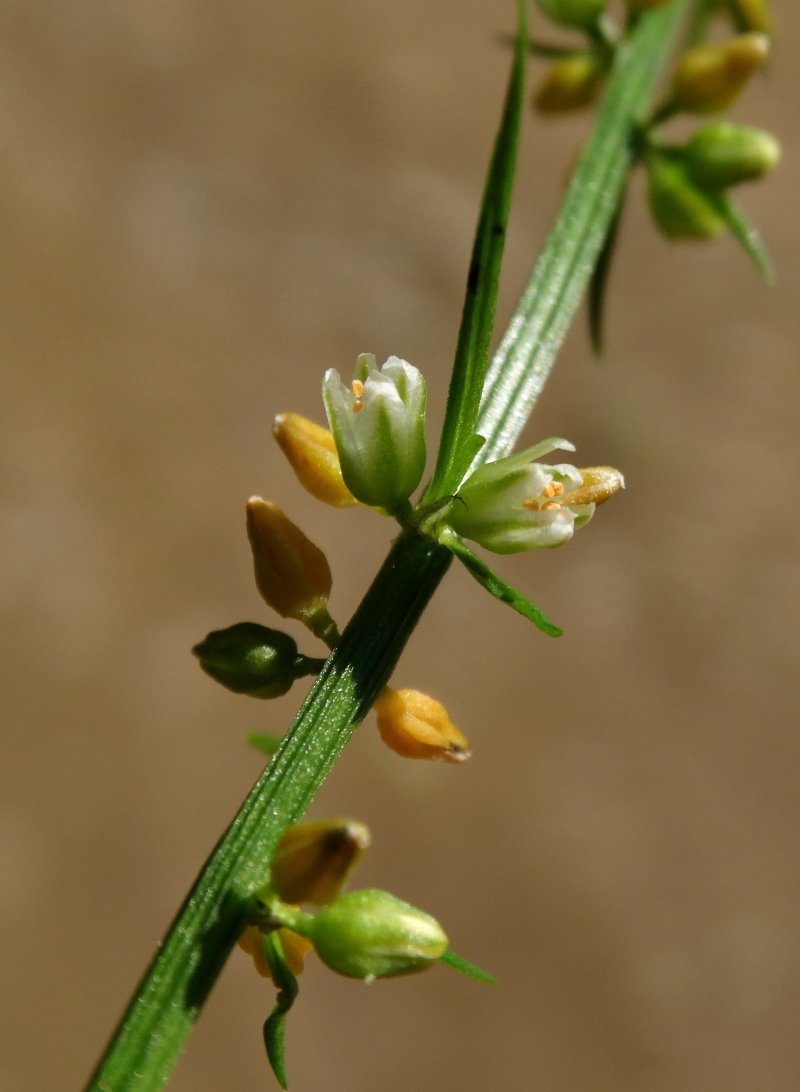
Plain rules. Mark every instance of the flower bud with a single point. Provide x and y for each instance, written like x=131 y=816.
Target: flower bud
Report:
x=569 y=83
x=313 y=860
x=294 y=948
x=311 y=453
x=679 y=205
x=754 y=15
x=371 y=934
x=250 y=659
x=725 y=154
x=414 y=725
x=582 y=14
x=709 y=77
x=292 y=574
x=378 y=427
x=518 y=504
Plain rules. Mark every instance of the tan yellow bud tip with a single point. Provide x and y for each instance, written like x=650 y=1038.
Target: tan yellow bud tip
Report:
x=294 y=948
x=312 y=455
x=313 y=860
x=569 y=83
x=292 y=574
x=709 y=77
x=598 y=484
x=414 y=725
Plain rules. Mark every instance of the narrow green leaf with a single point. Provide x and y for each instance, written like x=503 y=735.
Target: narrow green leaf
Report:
x=264 y=742
x=477 y=318
x=498 y=587
x=275 y=1024
x=746 y=234
x=598 y=285
x=463 y=966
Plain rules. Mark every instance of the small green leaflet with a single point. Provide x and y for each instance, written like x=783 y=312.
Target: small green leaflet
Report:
x=598 y=285
x=497 y=587
x=275 y=1024
x=745 y=234
x=264 y=742
x=463 y=966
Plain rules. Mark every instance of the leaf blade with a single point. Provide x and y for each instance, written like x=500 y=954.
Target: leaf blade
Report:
x=463 y=966
x=598 y=285
x=477 y=317
x=497 y=587
x=746 y=235
x=274 y=1031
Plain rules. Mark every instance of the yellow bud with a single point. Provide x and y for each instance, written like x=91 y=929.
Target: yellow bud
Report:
x=754 y=15
x=569 y=83
x=709 y=77
x=294 y=948
x=414 y=725
x=312 y=456
x=598 y=484
x=292 y=574
x=313 y=860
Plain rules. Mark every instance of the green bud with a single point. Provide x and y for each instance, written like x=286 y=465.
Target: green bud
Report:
x=250 y=659
x=680 y=207
x=724 y=154
x=371 y=934
x=582 y=14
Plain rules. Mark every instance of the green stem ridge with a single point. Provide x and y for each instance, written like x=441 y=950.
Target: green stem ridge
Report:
x=172 y=991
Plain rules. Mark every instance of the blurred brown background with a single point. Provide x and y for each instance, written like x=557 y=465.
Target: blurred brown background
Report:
x=205 y=204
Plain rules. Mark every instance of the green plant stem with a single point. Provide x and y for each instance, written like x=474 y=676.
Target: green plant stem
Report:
x=171 y=993
x=173 y=989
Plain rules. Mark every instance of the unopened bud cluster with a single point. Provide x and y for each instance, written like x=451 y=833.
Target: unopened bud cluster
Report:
x=364 y=934
x=574 y=79
x=686 y=184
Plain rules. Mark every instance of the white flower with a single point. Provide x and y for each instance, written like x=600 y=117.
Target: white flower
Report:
x=518 y=504
x=378 y=427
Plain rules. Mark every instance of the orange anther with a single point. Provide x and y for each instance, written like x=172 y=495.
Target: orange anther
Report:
x=552 y=489
x=358 y=388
